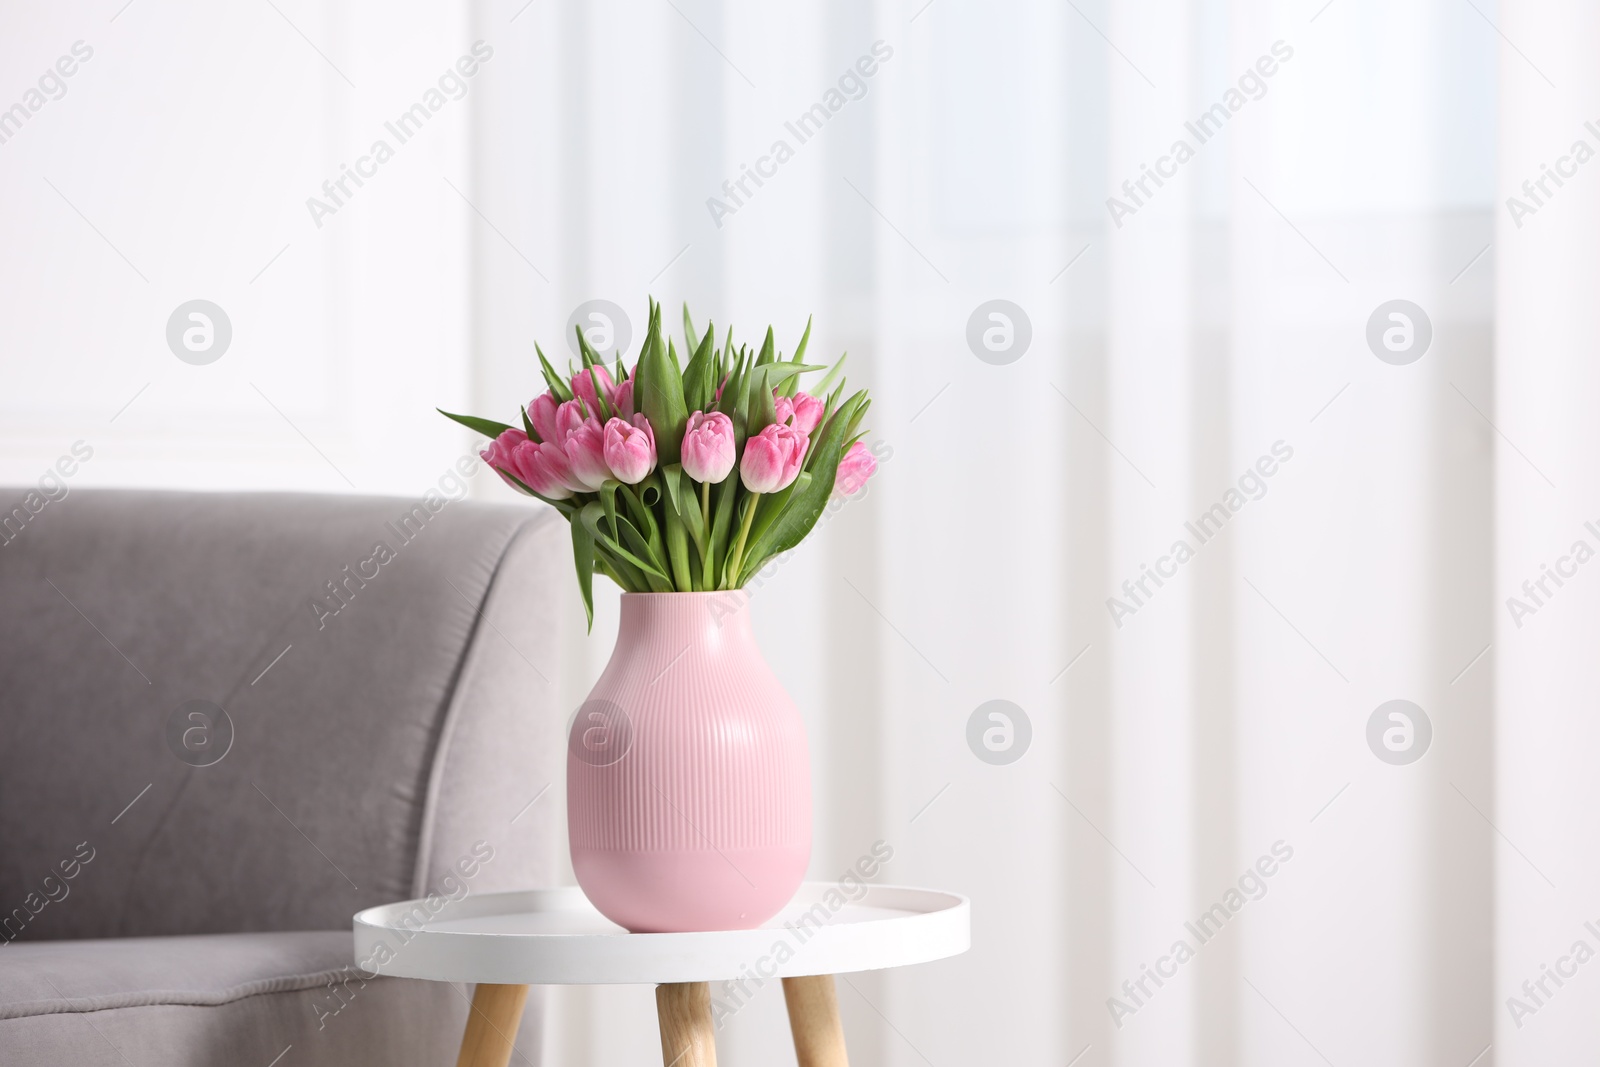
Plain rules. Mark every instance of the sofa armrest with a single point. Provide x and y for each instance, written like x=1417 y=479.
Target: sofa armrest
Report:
x=389 y=669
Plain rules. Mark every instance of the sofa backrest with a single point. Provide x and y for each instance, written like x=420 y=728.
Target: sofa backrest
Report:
x=388 y=668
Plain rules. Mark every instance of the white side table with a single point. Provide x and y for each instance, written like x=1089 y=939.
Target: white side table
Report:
x=504 y=942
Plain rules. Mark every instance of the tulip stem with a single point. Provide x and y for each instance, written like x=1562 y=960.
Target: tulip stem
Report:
x=705 y=508
x=736 y=557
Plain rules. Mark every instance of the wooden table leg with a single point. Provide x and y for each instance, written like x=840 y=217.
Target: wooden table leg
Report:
x=814 y=1019
x=492 y=1025
x=687 y=1036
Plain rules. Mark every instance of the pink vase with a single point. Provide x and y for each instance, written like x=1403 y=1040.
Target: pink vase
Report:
x=688 y=779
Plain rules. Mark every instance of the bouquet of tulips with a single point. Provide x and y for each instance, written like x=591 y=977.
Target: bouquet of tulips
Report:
x=684 y=477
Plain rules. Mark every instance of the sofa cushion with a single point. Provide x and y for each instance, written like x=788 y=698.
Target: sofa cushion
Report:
x=219 y=999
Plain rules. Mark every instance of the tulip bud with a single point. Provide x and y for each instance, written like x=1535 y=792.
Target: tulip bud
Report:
x=630 y=450
x=583 y=388
x=807 y=412
x=569 y=417
x=545 y=470
x=499 y=454
x=854 y=469
x=773 y=458
x=708 y=448
x=542 y=413
x=622 y=400
x=585 y=450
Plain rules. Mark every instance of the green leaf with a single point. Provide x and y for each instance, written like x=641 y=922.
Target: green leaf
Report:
x=741 y=544
x=678 y=552
x=829 y=406
x=608 y=567
x=768 y=353
x=658 y=392
x=671 y=477
x=690 y=341
x=721 y=527
x=729 y=404
x=649 y=548
x=642 y=505
x=583 y=558
x=608 y=500
x=792 y=386
x=741 y=404
x=698 y=388
x=779 y=374
x=568 y=508
x=591 y=516
x=487 y=427
x=765 y=383
x=725 y=358
x=557 y=385
x=857 y=415
x=831 y=415
x=684 y=506
x=527 y=426
x=763 y=411
x=622 y=572
x=586 y=352
x=680 y=498
x=638 y=510
x=599 y=393
x=832 y=376
x=805 y=339
x=772 y=505
x=807 y=504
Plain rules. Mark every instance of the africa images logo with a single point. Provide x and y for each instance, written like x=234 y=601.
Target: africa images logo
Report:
x=402 y=128
x=1252 y=85
x=1251 y=886
x=852 y=85
x=1252 y=485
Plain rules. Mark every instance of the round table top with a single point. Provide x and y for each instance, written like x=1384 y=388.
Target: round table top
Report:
x=556 y=937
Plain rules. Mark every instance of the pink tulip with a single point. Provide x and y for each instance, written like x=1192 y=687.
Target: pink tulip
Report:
x=498 y=454
x=541 y=467
x=583 y=387
x=542 y=413
x=630 y=449
x=544 y=469
x=585 y=449
x=569 y=417
x=622 y=400
x=854 y=469
x=807 y=412
x=772 y=458
x=803 y=412
x=708 y=448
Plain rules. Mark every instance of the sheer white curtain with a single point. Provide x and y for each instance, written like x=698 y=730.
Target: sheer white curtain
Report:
x=1222 y=725
x=1546 y=493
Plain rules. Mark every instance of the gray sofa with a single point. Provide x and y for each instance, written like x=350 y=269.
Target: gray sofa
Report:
x=393 y=710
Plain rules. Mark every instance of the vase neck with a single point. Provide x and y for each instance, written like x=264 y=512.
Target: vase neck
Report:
x=725 y=613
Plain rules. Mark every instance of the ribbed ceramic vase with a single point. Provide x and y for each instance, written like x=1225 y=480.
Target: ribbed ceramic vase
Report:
x=688 y=778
